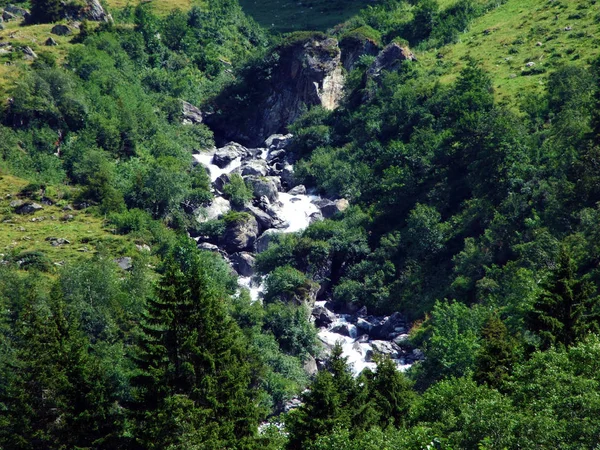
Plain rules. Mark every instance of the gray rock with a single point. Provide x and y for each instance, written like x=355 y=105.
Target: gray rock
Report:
x=240 y=234
x=124 y=263
x=390 y=58
x=385 y=348
x=220 y=182
x=256 y=167
x=276 y=156
x=50 y=42
x=28 y=208
x=364 y=325
x=225 y=155
x=243 y=263
x=61 y=30
x=345 y=329
x=315 y=217
x=217 y=208
x=387 y=327
x=310 y=366
x=262 y=243
x=278 y=141
x=29 y=53
x=263 y=186
x=287 y=175
x=57 y=242
x=16 y=10
x=209 y=247
x=16 y=203
x=298 y=190
x=265 y=221
x=2 y=28
x=309 y=72
x=330 y=208
x=323 y=316
x=94 y=11
x=191 y=114
x=7 y=16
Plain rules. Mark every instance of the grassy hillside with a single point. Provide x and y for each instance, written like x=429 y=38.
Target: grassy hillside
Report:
x=519 y=32
x=288 y=15
x=85 y=232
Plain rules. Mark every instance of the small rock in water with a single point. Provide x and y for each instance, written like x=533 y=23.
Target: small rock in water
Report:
x=225 y=155
x=323 y=316
x=257 y=167
x=298 y=190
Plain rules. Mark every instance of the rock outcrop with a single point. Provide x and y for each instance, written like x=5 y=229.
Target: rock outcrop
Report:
x=240 y=234
x=353 y=47
x=390 y=58
x=308 y=72
x=191 y=114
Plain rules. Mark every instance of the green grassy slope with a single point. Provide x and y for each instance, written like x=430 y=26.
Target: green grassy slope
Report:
x=519 y=32
x=292 y=15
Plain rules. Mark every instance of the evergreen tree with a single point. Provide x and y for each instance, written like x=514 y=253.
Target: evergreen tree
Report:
x=564 y=312
x=327 y=406
x=392 y=392
x=58 y=397
x=496 y=355
x=46 y=11
x=194 y=367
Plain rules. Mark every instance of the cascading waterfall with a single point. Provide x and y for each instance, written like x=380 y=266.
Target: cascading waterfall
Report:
x=293 y=211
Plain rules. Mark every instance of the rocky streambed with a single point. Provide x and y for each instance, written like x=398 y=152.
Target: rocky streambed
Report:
x=280 y=205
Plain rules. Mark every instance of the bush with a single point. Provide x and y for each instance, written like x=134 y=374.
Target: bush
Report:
x=239 y=194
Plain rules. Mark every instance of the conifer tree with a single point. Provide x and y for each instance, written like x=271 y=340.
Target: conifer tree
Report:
x=46 y=11
x=327 y=406
x=564 y=312
x=392 y=392
x=194 y=366
x=58 y=397
x=497 y=354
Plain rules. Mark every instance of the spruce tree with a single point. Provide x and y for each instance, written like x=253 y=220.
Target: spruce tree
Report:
x=497 y=354
x=565 y=310
x=328 y=405
x=58 y=397
x=194 y=366
x=46 y=11
x=392 y=392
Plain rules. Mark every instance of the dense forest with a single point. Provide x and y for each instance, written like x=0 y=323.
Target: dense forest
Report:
x=469 y=211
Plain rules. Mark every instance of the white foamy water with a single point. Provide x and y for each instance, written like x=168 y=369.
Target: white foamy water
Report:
x=256 y=289
x=296 y=210
x=206 y=158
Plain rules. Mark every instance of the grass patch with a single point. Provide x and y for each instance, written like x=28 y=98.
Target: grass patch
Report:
x=503 y=38
x=86 y=232
x=292 y=15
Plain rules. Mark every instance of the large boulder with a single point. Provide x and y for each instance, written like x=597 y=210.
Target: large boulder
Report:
x=353 y=46
x=256 y=167
x=50 y=42
x=307 y=73
x=390 y=58
x=263 y=242
x=91 y=10
x=243 y=263
x=278 y=141
x=28 y=208
x=329 y=208
x=263 y=186
x=7 y=16
x=240 y=233
x=191 y=114
x=265 y=221
x=61 y=30
x=323 y=316
x=225 y=155
x=388 y=327
x=216 y=209
x=298 y=190
x=16 y=10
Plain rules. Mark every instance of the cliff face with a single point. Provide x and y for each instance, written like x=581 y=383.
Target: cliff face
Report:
x=308 y=72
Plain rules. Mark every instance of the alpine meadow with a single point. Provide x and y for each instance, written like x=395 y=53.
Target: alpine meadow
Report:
x=299 y=225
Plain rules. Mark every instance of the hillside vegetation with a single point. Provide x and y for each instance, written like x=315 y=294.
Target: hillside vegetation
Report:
x=468 y=171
